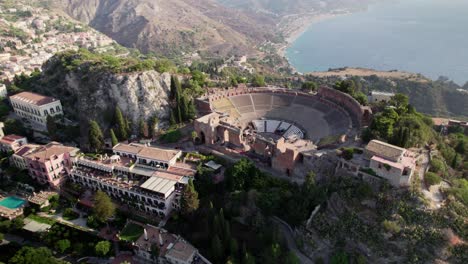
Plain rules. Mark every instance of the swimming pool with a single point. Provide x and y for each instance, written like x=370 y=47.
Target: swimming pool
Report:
x=12 y=202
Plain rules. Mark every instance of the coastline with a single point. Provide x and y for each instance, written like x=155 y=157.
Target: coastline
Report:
x=295 y=27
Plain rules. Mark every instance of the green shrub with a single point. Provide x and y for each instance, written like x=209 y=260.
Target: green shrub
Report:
x=391 y=226
x=347 y=153
x=69 y=214
x=172 y=136
x=437 y=165
x=432 y=178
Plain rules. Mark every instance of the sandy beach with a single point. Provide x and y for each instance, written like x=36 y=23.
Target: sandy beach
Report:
x=293 y=26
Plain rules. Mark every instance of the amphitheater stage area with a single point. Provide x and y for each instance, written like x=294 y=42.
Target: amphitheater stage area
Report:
x=314 y=118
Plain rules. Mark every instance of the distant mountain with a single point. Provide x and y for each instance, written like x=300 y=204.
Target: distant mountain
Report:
x=175 y=26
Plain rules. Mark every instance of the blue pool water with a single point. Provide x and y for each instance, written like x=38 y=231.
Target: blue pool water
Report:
x=12 y=202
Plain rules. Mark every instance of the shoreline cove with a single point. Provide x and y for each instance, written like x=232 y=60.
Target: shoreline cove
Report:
x=385 y=37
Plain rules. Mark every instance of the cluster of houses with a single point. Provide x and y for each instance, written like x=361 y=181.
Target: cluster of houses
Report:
x=149 y=179
x=26 y=54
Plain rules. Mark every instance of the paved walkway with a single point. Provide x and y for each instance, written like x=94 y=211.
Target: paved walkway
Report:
x=433 y=193
x=288 y=234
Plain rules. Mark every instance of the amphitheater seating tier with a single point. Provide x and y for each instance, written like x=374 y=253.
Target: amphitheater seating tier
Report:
x=282 y=100
x=318 y=117
x=241 y=100
x=246 y=109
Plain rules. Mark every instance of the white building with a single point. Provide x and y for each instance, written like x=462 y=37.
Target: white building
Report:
x=35 y=107
x=3 y=91
x=377 y=97
x=393 y=163
x=146 y=178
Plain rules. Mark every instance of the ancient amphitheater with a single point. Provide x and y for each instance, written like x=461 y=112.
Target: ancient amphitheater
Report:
x=279 y=125
x=287 y=114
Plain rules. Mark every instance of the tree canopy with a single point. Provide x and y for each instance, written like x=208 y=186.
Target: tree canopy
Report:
x=102 y=248
x=189 y=201
x=30 y=255
x=103 y=206
x=95 y=136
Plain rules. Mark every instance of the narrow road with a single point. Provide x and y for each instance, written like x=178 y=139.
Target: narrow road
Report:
x=286 y=230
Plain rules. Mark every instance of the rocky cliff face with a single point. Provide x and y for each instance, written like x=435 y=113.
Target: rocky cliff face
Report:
x=94 y=95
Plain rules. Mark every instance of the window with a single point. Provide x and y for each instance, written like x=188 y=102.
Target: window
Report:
x=58 y=108
x=46 y=113
x=52 y=111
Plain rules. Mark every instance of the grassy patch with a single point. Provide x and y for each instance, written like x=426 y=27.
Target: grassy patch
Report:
x=172 y=136
x=40 y=219
x=329 y=140
x=131 y=232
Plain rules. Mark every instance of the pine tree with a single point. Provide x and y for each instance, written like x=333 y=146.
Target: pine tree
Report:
x=114 y=139
x=189 y=201
x=95 y=136
x=121 y=124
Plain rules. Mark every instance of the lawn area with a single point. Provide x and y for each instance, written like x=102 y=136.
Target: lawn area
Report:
x=131 y=232
x=40 y=219
x=171 y=136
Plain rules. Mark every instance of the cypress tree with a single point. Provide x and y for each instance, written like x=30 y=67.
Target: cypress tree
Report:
x=217 y=249
x=172 y=120
x=184 y=108
x=191 y=111
x=114 y=139
x=95 y=137
x=143 y=129
x=51 y=127
x=233 y=248
x=189 y=201
x=121 y=124
x=179 y=114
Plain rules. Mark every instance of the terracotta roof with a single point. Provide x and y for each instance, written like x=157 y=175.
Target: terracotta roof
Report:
x=167 y=175
x=33 y=98
x=147 y=152
x=25 y=149
x=385 y=150
x=10 y=139
x=181 y=171
x=128 y=148
x=158 y=153
x=44 y=153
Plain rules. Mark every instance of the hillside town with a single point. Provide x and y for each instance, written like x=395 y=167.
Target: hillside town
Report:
x=139 y=159
x=32 y=35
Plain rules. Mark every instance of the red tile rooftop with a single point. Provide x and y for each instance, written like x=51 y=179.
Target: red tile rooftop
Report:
x=10 y=139
x=33 y=98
